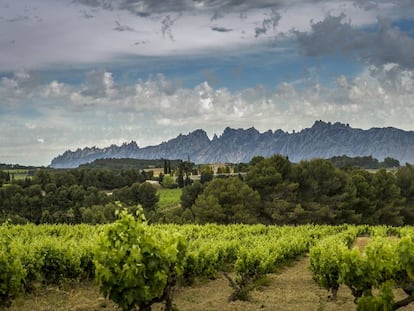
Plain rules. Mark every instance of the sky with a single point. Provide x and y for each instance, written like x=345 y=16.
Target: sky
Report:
x=77 y=73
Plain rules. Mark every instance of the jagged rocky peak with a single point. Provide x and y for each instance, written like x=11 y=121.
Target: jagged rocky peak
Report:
x=199 y=134
x=228 y=131
x=323 y=124
x=279 y=132
x=133 y=144
x=322 y=140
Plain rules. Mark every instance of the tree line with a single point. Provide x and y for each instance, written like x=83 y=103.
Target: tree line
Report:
x=273 y=191
x=74 y=196
x=276 y=191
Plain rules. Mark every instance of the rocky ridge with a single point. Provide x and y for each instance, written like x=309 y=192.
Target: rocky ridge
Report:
x=322 y=140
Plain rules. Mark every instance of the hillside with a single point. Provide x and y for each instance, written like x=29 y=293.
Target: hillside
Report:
x=322 y=140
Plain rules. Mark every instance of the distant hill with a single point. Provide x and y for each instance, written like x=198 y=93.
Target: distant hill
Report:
x=322 y=140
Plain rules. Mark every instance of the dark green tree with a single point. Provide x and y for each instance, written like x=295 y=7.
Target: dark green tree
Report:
x=326 y=193
x=388 y=199
x=180 y=179
x=148 y=197
x=190 y=194
x=226 y=201
x=391 y=162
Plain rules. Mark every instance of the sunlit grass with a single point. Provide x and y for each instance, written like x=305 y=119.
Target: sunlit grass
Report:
x=169 y=197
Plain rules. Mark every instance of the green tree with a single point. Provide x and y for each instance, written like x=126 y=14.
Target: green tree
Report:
x=169 y=182
x=180 y=180
x=391 y=162
x=226 y=201
x=265 y=174
x=148 y=198
x=42 y=177
x=405 y=181
x=388 y=199
x=326 y=193
x=190 y=194
x=206 y=174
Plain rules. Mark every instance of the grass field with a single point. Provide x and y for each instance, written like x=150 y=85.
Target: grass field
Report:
x=18 y=173
x=169 y=197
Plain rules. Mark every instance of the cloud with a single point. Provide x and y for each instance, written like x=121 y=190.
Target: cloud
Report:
x=146 y=8
x=270 y=22
x=217 y=15
x=65 y=38
x=334 y=36
x=221 y=29
x=98 y=84
x=149 y=7
x=56 y=89
x=166 y=26
x=122 y=28
x=18 y=19
x=105 y=4
x=86 y=15
x=149 y=111
x=15 y=88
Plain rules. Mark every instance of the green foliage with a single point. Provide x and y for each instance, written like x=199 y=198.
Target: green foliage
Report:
x=180 y=180
x=372 y=273
x=148 y=197
x=98 y=214
x=265 y=174
x=227 y=201
x=58 y=262
x=137 y=266
x=366 y=162
x=169 y=182
x=190 y=194
x=127 y=163
x=324 y=263
x=384 y=301
x=206 y=176
x=12 y=275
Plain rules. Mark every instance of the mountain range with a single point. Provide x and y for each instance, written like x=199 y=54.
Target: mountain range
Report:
x=322 y=140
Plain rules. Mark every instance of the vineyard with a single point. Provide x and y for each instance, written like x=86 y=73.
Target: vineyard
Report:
x=137 y=265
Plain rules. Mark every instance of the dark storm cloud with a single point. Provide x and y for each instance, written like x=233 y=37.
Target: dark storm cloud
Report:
x=217 y=15
x=366 y=4
x=218 y=7
x=105 y=4
x=221 y=29
x=334 y=36
x=374 y=4
x=270 y=22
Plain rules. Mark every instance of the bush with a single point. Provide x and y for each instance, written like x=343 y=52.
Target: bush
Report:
x=12 y=275
x=136 y=266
